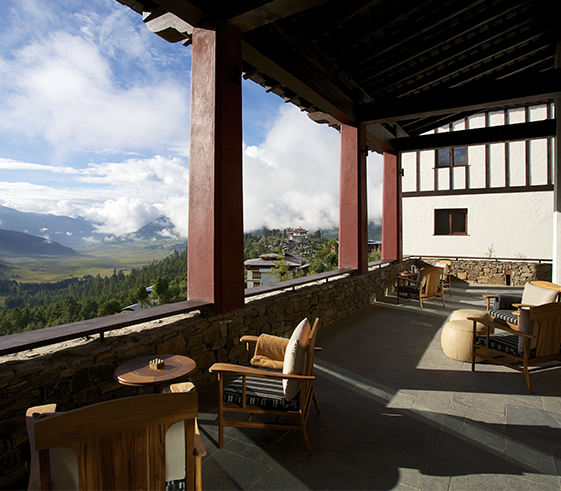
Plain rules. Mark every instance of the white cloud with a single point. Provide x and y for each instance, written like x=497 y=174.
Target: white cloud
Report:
x=92 y=85
x=292 y=179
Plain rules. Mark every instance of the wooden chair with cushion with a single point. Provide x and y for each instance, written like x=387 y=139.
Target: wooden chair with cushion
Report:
x=265 y=392
x=446 y=264
x=536 y=342
x=428 y=284
x=117 y=444
x=506 y=306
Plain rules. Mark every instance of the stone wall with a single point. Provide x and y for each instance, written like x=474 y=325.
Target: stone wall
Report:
x=78 y=373
x=493 y=272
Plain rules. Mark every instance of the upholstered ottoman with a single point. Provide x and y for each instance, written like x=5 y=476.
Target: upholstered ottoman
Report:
x=457 y=334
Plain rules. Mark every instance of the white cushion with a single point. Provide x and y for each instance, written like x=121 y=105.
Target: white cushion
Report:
x=535 y=295
x=295 y=358
x=442 y=265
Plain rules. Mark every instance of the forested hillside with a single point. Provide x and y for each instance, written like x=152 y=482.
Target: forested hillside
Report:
x=29 y=306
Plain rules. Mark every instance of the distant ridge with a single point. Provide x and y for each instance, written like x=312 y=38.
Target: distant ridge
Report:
x=18 y=243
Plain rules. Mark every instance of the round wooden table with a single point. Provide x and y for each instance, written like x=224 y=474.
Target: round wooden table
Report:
x=138 y=373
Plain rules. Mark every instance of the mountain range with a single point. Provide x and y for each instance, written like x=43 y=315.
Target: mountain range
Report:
x=66 y=231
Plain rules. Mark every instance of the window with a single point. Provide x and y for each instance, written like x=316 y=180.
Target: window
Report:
x=450 y=222
x=446 y=157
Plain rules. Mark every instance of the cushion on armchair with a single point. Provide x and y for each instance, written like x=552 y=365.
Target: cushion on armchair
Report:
x=269 y=352
x=536 y=295
x=295 y=358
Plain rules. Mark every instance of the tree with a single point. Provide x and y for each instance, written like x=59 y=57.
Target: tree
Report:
x=109 y=307
x=141 y=295
x=161 y=286
x=281 y=271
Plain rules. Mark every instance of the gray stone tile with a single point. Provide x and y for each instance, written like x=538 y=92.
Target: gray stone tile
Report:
x=478 y=482
x=227 y=470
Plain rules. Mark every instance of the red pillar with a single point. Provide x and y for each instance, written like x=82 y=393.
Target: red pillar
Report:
x=353 y=212
x=391 y=210
x=215 y=242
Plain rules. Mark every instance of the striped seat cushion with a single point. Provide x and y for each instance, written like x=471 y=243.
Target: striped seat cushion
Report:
x=504 y=315
x=505 y=342
x=262 y=392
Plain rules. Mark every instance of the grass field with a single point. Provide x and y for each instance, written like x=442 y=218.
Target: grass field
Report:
x=91 y=260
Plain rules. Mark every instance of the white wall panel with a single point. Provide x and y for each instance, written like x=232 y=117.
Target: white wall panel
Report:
x=476 y=162
x=497 y=165
x=514 y=225
x=409 y=166
x=538 y=162
x=517 y=163
x=427 y=170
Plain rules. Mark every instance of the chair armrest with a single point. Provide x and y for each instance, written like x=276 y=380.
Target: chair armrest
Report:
x=522 y=305
x=489 y=297
x=254 y=372
x=491 y=323
x=249 y=339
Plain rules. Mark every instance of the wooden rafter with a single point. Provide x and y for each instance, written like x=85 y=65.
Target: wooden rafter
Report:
x=478 y=136
x=493 y=94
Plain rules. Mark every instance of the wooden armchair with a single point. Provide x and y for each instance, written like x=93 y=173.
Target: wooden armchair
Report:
x=258 y=391
x=446 y=264
x=506 y=306
x=428 y=284
x=117 y=444
x=537 y=341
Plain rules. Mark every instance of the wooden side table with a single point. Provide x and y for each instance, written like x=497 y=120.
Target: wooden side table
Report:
x=137 y=372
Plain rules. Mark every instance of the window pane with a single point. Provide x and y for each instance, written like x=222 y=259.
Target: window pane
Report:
x=442 y=223
x=458 y=222
x=460 y=156
x=443 y=157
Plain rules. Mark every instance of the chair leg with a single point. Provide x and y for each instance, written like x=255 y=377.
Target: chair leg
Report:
x=304 y=434
x=220 y=412
x=316 y=401
x=527 y=377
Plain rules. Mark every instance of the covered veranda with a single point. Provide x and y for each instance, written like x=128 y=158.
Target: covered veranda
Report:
x=384 y=73
x=398 y=414
x=396 y=411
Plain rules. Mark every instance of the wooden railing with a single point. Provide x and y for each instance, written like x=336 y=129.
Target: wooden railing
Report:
x=13 y=343
x=283 y=285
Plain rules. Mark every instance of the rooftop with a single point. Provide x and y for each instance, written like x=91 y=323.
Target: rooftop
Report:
x=398 y=414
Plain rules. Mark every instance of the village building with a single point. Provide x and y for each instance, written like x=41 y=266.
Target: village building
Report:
x=259 y=269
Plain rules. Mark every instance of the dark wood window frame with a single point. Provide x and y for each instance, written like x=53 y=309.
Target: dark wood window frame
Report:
x=450 y=221
x=452 y=160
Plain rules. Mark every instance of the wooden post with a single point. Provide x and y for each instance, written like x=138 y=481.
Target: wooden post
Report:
x=391 y=210
x=353 y=212
x=215 y=242
x=556 y=252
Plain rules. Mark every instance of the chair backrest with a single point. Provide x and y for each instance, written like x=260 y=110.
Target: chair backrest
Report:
x=431 y=284
x=120 y=444
x=306 y=389
x=548 y=332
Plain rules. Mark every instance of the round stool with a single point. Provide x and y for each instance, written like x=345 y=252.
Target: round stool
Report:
x=457 y=334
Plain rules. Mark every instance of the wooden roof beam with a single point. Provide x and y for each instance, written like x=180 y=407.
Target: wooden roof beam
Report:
x=478 y=136
x=472 y=97
x=271 y=12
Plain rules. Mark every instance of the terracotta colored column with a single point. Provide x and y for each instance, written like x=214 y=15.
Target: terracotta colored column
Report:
x=215 y=242
x=353 y=213
x=556 y=253
x=391 y=210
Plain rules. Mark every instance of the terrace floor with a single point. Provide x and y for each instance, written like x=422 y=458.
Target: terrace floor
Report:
x=398 y=414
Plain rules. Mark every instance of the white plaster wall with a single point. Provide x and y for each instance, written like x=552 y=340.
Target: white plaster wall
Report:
x=459 y=178
x=517 y=163
x=409 y=166
x=514 y=225
x=426 y=159
x=538 y=162
x=476 y=162
x=443 y=178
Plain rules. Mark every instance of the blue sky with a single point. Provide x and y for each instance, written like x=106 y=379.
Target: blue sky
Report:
x=94 y=122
